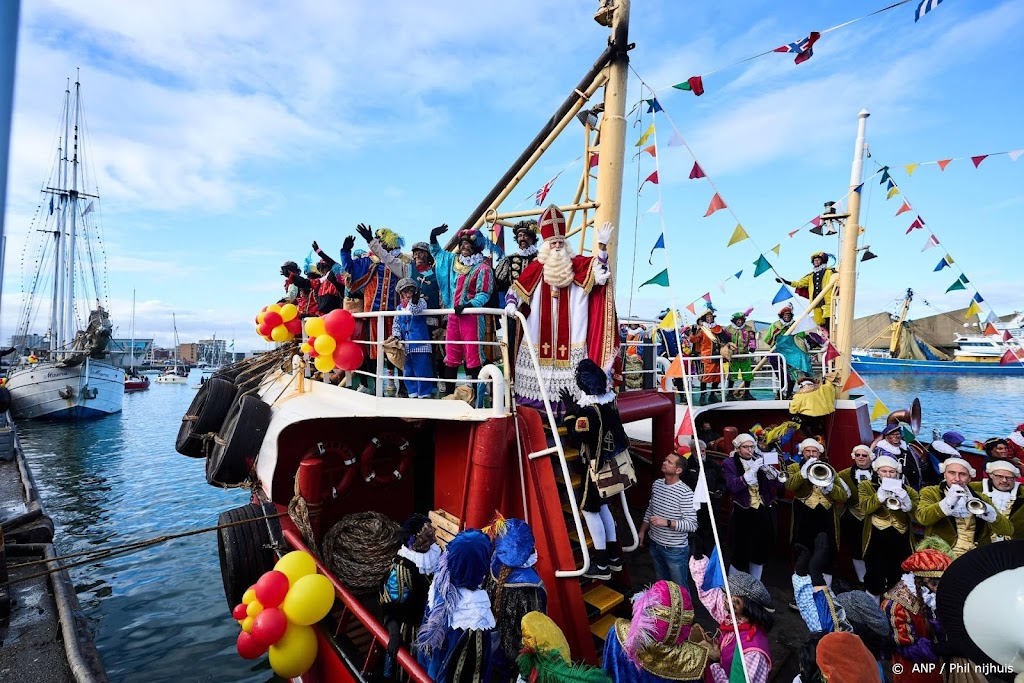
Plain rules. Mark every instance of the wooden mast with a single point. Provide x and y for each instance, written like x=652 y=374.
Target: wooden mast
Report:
x=846 y=291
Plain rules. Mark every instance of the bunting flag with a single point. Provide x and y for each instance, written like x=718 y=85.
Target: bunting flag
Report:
x=867 y=255
x=802 y=48
x=738 y=235
x=716 y=205
x=807 y=324
x=675 y=140
x=885 y=176
x=653 y=179
x=916 y=225
x=892 y=193
x=853 y=381
x=816 y=221
x=783 y=295
x=686 y=426
x=794 y=232
x=776 y=249
x=675 y=369
x=653 y=105
x=594 y=159
x=933 y=241
x=661 y=279
x=691 y=309
x=1015 y=154
x=1009 y=357
x=1007 y=336
x=668 y=322
x=942 y=264
x=977 y=297
x=542 y=193
x=643 y=138
x=650 y=150
x=911 y=168
x=707 y=297
x=924 y=8
x=761 y=266
x=978 y=159
x=991 y=331
x=88 y=209
x=660 y=244
x=655 y=208
x=991 y=317
x=892 y=184
x=963 y=278
x=904 y=208
x=955 y=286
x=51 y=205
x=738 y=274
x=879 y=410
x=943 y=164
x=694 y=84
x=831 y=352
x=696 y=171
x=973 y=309
x=859 y=188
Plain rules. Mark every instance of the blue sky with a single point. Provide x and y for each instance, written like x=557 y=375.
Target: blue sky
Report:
x=226 y=139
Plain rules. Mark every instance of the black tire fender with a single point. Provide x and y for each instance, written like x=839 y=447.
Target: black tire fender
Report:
x=206 y=414
x=244 y=550
x=239 y=441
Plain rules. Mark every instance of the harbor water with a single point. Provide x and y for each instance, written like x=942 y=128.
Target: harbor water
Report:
x=159 y=615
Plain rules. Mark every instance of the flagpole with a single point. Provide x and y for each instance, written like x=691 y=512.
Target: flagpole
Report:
x=845 y=293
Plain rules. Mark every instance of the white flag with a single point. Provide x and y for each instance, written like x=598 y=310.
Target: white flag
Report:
x=88 y=209
x=1015 y=154
x=656 y=208
x=930 y=243
x=701 y=495
x=807 y=324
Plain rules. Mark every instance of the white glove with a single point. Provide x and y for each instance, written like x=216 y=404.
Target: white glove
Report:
x=882 y=495
x=604 y=233
x=511 y=308
x=756 y=463
x=750 y=476
x=905 y=502
x=954 y=493
x=902 y=494
x=990 y=514
x=827 y=489
x=806 y=466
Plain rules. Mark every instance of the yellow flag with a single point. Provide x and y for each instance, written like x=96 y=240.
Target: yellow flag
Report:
x=668 y=322
x=949 y=259
x=777 y=248
x=892 y=193
x=879 y=409
x=738 y=235
x=643 y=138
x=911 y=168
x=973 y=309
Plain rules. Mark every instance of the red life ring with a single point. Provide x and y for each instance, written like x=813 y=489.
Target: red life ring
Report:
x=335 y=454
x=384 y=446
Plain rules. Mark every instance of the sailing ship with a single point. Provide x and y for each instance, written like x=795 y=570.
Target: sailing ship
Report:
x=133 y=380
x=72 y=377
x=324 y=451
x=175 y=373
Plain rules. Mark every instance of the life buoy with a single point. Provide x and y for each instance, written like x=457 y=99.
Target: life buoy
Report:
x=384 y=446
x=335 y=454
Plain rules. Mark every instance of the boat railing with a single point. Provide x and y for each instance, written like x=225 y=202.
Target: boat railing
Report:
x=769 y=372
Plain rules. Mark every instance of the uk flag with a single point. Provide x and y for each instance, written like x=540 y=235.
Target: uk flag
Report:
x=542 y=193
x=802 y=48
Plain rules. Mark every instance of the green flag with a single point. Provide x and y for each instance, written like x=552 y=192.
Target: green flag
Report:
x=661 y=279
x=736 y=674
x=955 y=286
x=963 y=279
x=685 y=85
x=761 y=266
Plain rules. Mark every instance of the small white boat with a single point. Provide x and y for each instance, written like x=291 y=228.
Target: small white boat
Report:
x=176 y=374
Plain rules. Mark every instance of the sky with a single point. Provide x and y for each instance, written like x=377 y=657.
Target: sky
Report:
x=225 y=138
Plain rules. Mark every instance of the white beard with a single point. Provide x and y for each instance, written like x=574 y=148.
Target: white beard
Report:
x=557 y=265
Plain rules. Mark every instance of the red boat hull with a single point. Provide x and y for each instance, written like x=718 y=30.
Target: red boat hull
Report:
x=136 y=384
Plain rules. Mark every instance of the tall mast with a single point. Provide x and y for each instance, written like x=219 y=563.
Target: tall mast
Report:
x=846 y=293
x=898 y=325
x=69 y=298
x=131 y=364
x=611 y=160
x=57 y=314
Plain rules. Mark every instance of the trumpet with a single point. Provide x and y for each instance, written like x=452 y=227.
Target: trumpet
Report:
x=976 y=506
x=893 y=503
x=821 y=474
x=772 y=473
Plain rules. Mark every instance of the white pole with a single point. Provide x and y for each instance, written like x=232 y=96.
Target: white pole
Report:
x=8 y=53
x=69 y=297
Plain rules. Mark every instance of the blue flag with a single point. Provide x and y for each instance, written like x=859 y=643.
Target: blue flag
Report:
x=660 y=244
x=654 y=105
x=977 y=297
x=942 y=264
x=713 y=577
x=783 y=295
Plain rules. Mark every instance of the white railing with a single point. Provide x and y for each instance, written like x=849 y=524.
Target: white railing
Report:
x=770 y=373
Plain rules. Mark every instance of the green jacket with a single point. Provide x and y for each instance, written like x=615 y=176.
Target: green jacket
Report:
x=938 y=523
x=802 y=489
x=872 y=507
x=1016 y=515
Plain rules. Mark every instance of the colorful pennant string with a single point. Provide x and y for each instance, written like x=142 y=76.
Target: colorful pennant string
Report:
x=976 y=159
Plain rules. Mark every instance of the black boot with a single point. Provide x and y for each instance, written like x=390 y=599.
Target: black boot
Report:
x=450 y=375
x=702 y=399
x=714 y=396
x=615 y=556
x=598 y=566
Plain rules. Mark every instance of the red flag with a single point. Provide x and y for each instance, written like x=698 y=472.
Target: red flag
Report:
x=707 y=297
x=653 y=178
x=794 y=232
x=904 y=208
x=1007 y=336
x=696 y=171
x=853 y=381
x=650 y=150
x=916 y=225
x=685 y=429
x=715 y=205
x=593 y=160
x=977 y=160
x=696 y=85
x=816 y=221
x=1008 y=357
x=991 y=331
x=831 y=352
x=691 y=309
x=943 y=163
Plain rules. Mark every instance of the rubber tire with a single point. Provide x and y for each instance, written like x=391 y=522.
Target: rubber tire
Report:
x=210 y=406
x=244 y=555
x=5 y=399
x=227 y=465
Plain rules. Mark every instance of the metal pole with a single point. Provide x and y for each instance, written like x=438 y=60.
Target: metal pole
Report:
x=69 y=295
x=845 y=294
x=8 y=54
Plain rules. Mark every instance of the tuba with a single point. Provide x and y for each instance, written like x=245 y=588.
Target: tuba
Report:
x=821 y=474
x=910 y=416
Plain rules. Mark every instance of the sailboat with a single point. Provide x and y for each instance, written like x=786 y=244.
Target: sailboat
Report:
x=133 y=381
x=176 y=374
x=72 y=376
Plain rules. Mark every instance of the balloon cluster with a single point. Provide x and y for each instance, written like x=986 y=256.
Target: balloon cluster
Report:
x=278 y=611
x=330 y=342
x=278 y=323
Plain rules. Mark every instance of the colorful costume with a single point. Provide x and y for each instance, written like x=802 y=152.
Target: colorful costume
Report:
x=814 y=282
x=545 y=656
x=887 y=537
x=707 y=339
x=910 y=609
x=373 y=278
x=744 y=337
x=654 y=645
x=566 y=322
x=752 y=523
x=464 y=282
x=793 y=348
x=509 y=268
x=909 y=463
x=419 y=358
x=1010 y=503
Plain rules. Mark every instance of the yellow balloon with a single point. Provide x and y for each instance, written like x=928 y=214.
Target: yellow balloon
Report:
x=314 y=327
x=280 y=334
x=247 y=624
x=248 y=596
x=259 y=318
x=324 y=363
x=274 y=307
x=325 y=345
x=254 y=608
x=292 y=656
x=295 y=565
x=289 y=311
x=309 y=599
x=305 y=348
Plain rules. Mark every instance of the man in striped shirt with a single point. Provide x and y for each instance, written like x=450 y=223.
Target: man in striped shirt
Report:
x=669 y=518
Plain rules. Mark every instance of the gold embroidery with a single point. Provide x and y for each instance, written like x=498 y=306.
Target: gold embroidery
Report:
x=817 y=498
x=582 y=424
x=683 y=662
x=964 y=536
x=755 y=497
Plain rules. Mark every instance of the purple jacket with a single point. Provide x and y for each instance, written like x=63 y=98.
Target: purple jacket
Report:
x=770 y=489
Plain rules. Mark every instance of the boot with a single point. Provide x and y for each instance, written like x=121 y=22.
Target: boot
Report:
x=714 y=396
x=450 y=374
x=615 y=556
x=598 y=566
x=703 y=396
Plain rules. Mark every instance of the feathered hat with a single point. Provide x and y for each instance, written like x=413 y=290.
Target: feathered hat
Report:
x=825 y=257
x=927 y=563
x=661 y=614
x=786 y=308
x=741 y=314
x=527 y=227
x=590 y=378
x=990 y=444
x=475 y=238
x=389 y=239
x=514 y=545
x=464 y=564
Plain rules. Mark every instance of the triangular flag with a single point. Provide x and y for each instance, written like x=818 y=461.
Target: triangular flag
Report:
x=816 y=221
x=661 y=279
x=831 y=352
x=738 y=235
x=660 y=244
x=878 y=410
x=942 y=264
x=977 y=297
x=654 y=105
x=675 y=369
x=911 y=168
x=973 y=309
x=691 y=309
x=696 y=171
x=963 y=279
x=794 y=232
x=776 y=249
x=1015 y=154
x=594 y=157
x=806 y=324
x=653 y=178
x=904 y=208
x=738 y=275
x=933 y=241
x=1007 y=336
x=655 y=208
x=955 y=286
x=991 y=317
x=675 y=140
x=668 y=322
x=978 y=159
x=892 y=184
x=817 y=230
x=721 y=286
x=885 y=176
x=685 y=427
x=943 y=163
x=868 y=255
x=694 y=84
x=643 y=138
x=715 y=205
x=707 y=297
x=916 y=225
x=991 y=331
x=853 y=381
x=88 y=209
x=949 y=259
x=783 y=295
x=701 y=493
x=892 y=193
x=761 y=266
x=859 y=188
x=1008 y=357
x=650 y=149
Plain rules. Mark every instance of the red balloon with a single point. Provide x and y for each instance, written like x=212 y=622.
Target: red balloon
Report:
x=249 y=647
x=269 y=625
x=263 y=329
x=294 y=325
x=271 y=588
x=272 y=318
x=348 y=355
x=239 y=612
x=340 y=324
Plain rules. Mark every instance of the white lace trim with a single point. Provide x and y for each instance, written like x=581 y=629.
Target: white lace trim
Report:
x=555 y=379
x=470 y=261
x=944 y=448
x=1017 y=438
x=1002 y=500
x=472 y=610
x=889 y=448
x=425 y=562
x=529 y=251
x=599 y=400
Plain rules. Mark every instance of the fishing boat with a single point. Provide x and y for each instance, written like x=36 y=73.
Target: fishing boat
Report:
x=174 y=373
x=975 y=354
x=73 y=377
x=133 y=379
x=322 y=451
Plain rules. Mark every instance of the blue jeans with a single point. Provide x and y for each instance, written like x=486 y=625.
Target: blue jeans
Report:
x=670 y=563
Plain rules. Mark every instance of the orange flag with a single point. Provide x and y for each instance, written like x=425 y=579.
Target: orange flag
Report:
x=715 y=205
x=853 y=381
x=943 y=163
x=650 y=150
x=904 y=208
x=991 y=331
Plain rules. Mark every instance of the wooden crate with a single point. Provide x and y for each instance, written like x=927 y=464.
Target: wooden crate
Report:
x=446 y=525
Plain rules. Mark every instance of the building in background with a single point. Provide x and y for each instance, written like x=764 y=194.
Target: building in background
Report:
x=211 y=352
x=188 y=353
x=130 y=353
x=26 y=343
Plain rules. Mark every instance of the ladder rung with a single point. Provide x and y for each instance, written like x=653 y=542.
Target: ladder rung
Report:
x=550 y=450
x=601 y=627
x=603 y=598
